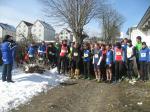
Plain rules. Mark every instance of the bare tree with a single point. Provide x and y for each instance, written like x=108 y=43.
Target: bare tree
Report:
x=76 y=13
x=111 y=22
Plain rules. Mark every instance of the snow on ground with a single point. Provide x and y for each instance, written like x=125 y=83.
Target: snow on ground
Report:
x=26 y=86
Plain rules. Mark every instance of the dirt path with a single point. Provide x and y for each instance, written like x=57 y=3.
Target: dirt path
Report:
x=86 y=96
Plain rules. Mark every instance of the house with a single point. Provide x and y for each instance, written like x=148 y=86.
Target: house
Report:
x=43 y=31
x=66 y=34
x=142 y=29
x=23 y=30
x=6 y=29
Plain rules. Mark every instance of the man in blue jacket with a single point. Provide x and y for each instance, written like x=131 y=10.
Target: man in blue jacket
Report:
x=143 y=59
x=7 y=49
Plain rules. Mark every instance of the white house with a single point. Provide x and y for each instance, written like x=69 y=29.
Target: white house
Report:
x=66 y=34
x=6 y=29
x=43 y=31
x=142 y=29
x=23 y=30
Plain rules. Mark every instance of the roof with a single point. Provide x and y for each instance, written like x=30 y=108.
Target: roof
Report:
x=144 y=18
x=46 y=25
x=27 y=23
x=7 y=27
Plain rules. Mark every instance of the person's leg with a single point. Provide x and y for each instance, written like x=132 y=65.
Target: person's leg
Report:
x=116 y=71
x=88 y=70
x=107 y=74
x=130 y=69
x=4 y=72
x=121 y=65
x=85 y=74
x=110 y=74
x=145 y=71
x=59 y=65
x=148 y=70
x=95 y=71
x=141 y=70
x=9 y=74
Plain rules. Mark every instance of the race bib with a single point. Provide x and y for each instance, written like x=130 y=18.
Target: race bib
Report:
x=50 y=52
x=118 y=53
x=143 y=55
x=129 y=54
x=63 y=51
x=86 y=55
x=96 y=55
x=107 y=60
x=30 y=56
x=75 y=54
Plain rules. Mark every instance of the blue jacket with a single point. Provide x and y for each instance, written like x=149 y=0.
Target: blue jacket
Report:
x=86 y=56
x=149 y=55
x=96 y=56
x=7 y=52
x=144 y=55
x=42 y=49
x=109 y=57
x=124 y=47
x=31 y=50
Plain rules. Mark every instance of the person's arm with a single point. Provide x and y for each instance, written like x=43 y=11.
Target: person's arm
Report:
x=100 y=59
x=133 y=53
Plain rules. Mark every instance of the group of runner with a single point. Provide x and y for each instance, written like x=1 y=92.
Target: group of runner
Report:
x=109 y=63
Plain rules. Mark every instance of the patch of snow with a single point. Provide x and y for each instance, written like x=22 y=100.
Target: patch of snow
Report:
x=26 y=86
x=139 y=103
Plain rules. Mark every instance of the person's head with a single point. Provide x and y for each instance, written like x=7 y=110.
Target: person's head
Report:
x=103 y=46
x=138 y=39
x=50 y=45
x=108 y=46
x=76 y=45
x=32 y=44
x=129 y=42
x=43 y=43
x=144 y=45
x=64 y=42
x=96 y=46
x=118 y=45
x=86 y=46
x=7 y=38
x=125 y=40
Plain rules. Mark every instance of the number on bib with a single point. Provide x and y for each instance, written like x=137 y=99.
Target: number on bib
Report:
x=30 y=56
x=86 y=55
x=118 y=53
x=143 y=55
x=96 y=55
x=75 y=54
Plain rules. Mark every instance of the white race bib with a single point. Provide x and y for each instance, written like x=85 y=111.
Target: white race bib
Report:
x=86 y=55
x=107 y=60
x=63 y=51
x=75 y=54
x=118 y=53
x=30 y=56
x=143 y=55
x=96 y=55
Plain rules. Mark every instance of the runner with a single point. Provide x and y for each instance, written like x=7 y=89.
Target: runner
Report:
x=109 y=63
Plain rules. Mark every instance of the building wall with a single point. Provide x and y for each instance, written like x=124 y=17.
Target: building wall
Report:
x=1 y=32
x=41 y=33
x=64 y=35
x=6 y=32
x=38 y=31
x=145 y=36
x=22 y=29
